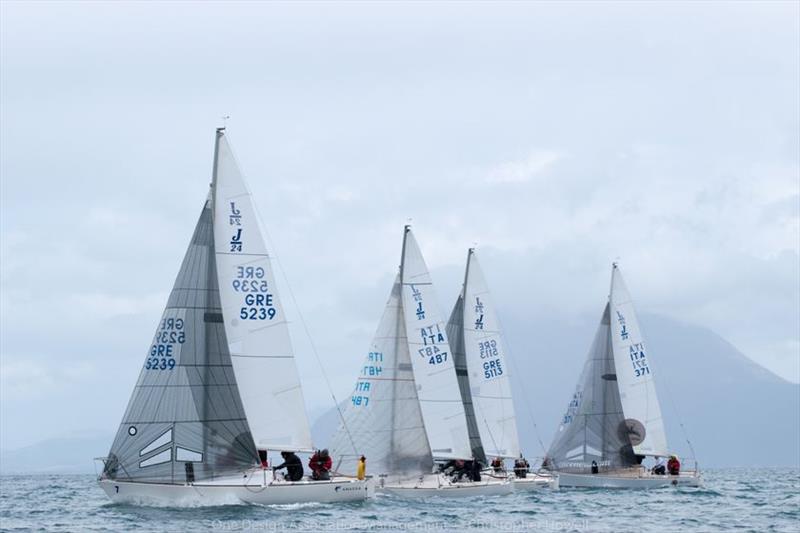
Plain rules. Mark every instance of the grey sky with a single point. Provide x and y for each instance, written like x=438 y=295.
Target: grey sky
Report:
x=558 y=136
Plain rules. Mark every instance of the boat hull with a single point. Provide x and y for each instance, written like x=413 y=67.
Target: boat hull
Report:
x=235 y=491
x=441 y=487
x=536 y=482
x=627 y=481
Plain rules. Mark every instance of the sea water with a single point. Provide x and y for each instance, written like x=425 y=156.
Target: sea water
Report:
x=732 y=499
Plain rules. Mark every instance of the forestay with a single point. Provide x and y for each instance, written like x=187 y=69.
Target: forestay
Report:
x=431 y=358
x=256 y=327
x=383 y=420
x=593 y=427
x=185 y=407
x=634 y=374
x=490 y=387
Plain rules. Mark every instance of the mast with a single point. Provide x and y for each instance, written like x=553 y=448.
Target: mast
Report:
x=211 y=268
x=392 y=450
x=457 y=334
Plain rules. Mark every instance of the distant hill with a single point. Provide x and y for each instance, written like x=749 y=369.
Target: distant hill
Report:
x=68 y=455
x=736 y=412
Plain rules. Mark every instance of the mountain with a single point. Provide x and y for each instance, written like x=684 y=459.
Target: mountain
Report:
x=736 y=413
x=67 y=455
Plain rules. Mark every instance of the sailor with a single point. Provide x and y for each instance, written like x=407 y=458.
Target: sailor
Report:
x=660 y=468
x=497 y=465
x=320 y=464
x=458 y=469
x=521 y=466
x=293 y=466
x=474 y=470
x=673 y=466
x=361 y=470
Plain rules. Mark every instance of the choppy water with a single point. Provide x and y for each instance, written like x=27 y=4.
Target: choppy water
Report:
x=744 y=500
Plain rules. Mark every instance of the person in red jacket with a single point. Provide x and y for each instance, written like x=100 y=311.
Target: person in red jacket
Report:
x=320 y=464
x=673 y=466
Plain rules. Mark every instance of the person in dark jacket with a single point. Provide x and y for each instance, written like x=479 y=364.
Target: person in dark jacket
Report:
x=497 y=465
x=474 y=470
x=320 y=464
x=293 y=466
x=521 y=466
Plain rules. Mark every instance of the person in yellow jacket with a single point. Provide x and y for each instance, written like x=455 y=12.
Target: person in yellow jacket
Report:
x=361 y=471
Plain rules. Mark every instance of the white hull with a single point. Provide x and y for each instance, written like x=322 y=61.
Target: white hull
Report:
x=625 y=480
x=440 y=486
x=536 y=482
x=237 y=490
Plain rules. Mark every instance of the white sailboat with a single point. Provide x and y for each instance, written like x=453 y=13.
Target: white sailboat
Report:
x=614 y=418
x=406 y=411
x=483 y=375
x=219 y=388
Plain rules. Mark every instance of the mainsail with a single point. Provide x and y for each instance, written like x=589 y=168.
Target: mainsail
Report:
x=634 y=374
x=431 y=358
x=488 y=389
x=255 y=324
x=185 y=407
x=593 y=428
x=455 y=334
x=614 y=417
x=383 y=420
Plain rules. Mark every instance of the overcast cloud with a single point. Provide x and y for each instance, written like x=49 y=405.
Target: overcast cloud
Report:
x=557 y=136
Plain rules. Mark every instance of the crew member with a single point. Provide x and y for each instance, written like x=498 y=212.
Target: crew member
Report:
x=673 y=466
x=361 y=471
x=293 y=466
x=320 y=464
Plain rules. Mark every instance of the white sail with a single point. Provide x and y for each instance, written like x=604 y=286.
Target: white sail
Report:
x=487 y=366
x=634 y=375
x=434 y=369
x=383 y=420
x=255 y=324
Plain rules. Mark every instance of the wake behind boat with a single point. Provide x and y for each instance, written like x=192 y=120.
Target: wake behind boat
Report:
x=613 y=421
x=219 y=388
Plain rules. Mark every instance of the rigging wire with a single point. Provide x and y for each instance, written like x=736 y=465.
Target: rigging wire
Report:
x=526 y=401
x=311 y=341
x=275 y=255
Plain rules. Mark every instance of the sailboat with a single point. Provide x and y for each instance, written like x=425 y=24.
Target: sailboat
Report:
x=613 y=421
x=481 y=365
x=406 y=413
x=219 y=388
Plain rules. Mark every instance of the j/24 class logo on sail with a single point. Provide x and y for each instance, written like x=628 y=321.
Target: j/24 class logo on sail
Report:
x=235 y=219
